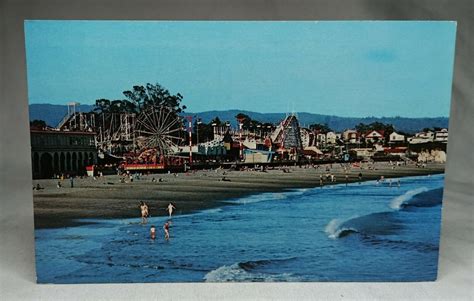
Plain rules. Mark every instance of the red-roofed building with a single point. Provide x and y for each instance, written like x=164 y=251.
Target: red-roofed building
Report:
x=395 y=150
x=374 y=136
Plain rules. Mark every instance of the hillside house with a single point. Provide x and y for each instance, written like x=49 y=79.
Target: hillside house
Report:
x=350 y=136
x=396 y=138
x=375 y=136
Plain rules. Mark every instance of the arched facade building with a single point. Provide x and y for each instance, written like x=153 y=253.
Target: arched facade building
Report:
x=61 y=152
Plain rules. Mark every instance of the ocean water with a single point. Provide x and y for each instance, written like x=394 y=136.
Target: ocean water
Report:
x=355 y=232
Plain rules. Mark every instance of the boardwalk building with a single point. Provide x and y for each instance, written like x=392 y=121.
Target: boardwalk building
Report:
x=61 y=152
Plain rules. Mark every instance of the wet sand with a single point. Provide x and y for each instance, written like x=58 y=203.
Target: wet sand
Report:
x=107 y=197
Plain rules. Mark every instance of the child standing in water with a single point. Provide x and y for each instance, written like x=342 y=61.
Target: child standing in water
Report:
x=152 y=232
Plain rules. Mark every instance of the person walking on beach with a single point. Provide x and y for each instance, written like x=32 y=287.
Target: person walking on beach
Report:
x=170 y=209
x=347 y=179
x=166 y=228
x=152 y=232
x=360 y=177
x=144 y=212
x=71 y=180
x=321 y=181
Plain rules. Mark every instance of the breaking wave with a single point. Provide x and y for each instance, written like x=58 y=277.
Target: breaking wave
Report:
x=248 y=272
x=271 y=196
x=335 y=230
x=400 y=201
x=429 y=198
x=381 y=223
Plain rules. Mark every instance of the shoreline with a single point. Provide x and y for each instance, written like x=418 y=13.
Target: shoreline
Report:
x=107 y=198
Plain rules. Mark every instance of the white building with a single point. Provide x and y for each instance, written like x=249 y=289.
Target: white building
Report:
x=395 y=137
x=211 y=148
x=331 y=138
x=306 y=137
x=321 y=140
x=425 y=135
x=422 y=137
x=350 y=136
x=363 y=152
x=250 y=143
x=441 y=135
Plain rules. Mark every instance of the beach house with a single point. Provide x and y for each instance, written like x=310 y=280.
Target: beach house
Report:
x=375 y=136
x=331 y=138
x=396 y=138
x=422 y=137
x=441 y=135
x=350 y=136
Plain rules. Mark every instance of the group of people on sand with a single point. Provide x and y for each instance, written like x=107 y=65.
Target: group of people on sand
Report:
x=145 y=213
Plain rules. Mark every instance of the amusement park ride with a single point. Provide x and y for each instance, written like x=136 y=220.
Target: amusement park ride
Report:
x=147 y=140
x=154 y=138
x=287 y=136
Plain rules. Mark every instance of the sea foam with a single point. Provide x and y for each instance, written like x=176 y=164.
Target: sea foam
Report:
x=236 y=273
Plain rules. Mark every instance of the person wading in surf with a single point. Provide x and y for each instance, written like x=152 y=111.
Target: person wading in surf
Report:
x=166 y=228
x=144 y=212
x=152 y=232
x=170 y=209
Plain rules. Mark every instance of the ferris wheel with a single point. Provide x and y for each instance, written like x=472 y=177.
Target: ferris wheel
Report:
x=160 y=128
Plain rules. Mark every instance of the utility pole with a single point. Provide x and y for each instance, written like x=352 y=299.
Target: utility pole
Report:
x=241 y=151
x=190 y=131
x=198 y=123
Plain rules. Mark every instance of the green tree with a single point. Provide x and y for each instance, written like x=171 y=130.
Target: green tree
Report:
x=362 y=128
x=322 y=128
x=115 y=106
x=102 y=105
x=38 y=124
x=154 y=94
x=216 y=121
x=245 y=119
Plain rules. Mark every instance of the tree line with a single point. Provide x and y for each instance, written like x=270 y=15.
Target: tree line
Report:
x=141 y=97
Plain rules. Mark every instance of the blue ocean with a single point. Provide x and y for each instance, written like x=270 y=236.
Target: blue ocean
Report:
x=367 y=231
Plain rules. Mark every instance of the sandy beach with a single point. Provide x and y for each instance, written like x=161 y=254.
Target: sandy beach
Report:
x=107 y=197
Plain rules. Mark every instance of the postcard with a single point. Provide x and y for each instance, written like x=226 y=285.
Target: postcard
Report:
x=244 y=151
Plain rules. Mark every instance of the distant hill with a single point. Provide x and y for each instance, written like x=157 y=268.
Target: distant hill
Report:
x=52 y=114
x=409 y=125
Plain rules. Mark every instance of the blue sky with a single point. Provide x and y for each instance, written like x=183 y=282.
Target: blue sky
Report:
x=352 y=69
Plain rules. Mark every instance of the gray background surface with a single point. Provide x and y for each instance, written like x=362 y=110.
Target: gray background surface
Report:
x=17 y=271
